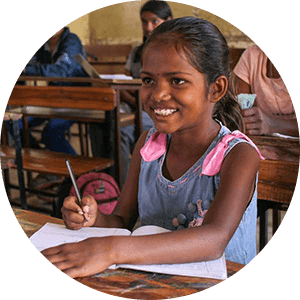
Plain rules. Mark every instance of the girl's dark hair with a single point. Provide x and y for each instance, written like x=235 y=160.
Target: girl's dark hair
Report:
x=160 y=9
x=207 y=51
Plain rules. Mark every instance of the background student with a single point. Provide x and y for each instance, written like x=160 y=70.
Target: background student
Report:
x=54 y=59
x=273 y=110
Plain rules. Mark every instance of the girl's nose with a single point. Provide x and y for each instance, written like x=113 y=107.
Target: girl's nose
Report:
x=161 y=92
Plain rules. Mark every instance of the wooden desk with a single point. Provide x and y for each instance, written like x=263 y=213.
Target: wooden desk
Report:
x=130 y=283
x=80 y=115
x=52 y=99
x=275 y=141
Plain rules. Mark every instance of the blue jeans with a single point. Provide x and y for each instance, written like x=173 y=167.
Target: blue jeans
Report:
x=53 y=134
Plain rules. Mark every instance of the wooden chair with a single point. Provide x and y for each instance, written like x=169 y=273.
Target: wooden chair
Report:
x=276 y=184
x=48 y=162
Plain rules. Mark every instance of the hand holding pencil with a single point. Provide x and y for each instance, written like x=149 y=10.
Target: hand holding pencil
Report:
x=78 y=212
x=75 y=216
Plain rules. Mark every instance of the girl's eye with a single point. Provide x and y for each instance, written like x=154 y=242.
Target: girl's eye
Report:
x=146 y=80
x=178 y=81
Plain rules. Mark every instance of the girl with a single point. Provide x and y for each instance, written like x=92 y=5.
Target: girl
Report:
x=152 y=14
x=190 y=171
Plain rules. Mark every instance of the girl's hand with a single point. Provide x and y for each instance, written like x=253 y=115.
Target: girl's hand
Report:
x=81 y=259
x=76 y=217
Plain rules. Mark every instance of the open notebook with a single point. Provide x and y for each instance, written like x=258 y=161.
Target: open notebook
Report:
x=51 y=235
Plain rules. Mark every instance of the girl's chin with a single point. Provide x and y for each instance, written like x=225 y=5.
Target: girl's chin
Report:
x=164 y=129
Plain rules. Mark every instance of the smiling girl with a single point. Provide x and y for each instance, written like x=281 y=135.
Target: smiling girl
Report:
x=189 y=172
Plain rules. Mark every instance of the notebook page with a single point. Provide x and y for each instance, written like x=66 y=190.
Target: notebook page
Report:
x=51 y=235
x=148 y=229
x=209 y=269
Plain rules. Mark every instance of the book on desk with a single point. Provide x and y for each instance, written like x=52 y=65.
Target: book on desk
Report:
x=51 y=235
x=91 y=71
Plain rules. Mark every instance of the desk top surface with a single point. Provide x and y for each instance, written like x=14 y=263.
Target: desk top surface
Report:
x=130 y=283
x=92 y=81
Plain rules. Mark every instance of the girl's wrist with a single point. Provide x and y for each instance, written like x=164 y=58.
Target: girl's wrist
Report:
x=119 y=250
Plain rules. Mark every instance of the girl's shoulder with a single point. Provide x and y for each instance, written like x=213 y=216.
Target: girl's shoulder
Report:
x=225 y=142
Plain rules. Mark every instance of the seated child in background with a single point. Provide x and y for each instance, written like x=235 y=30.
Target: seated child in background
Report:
x=273 y=110
x=190 y=164
x=55 y=59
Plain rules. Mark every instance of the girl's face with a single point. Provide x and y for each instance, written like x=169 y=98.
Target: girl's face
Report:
x=174 y=93
x=149 y=22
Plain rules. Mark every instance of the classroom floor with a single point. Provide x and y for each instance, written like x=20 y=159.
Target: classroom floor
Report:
x=44 y=204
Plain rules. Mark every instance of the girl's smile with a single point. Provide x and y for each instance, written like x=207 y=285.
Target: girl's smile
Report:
x=173 y=93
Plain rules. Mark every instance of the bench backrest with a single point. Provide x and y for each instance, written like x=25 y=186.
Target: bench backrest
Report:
x=277 y=180
x=99 y=98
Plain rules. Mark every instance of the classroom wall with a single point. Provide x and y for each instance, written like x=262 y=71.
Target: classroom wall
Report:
x=120 y=24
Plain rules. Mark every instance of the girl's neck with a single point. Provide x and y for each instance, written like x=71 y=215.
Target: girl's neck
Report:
x=195 y=138
x=187 y=148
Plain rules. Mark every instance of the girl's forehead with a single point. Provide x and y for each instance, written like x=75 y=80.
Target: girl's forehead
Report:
x=168 y=49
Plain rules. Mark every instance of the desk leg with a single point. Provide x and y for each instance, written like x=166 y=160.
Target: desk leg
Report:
x=263 y=223
x=19 y=163
x=139 y=117
x=117 y=141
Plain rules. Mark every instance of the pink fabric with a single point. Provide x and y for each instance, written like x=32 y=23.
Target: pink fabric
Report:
x=213 y=161
x=156 y=146
x=272 y=96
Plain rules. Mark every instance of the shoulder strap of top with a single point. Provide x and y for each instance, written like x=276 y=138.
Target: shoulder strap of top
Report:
x=155 y=146
x=213 y=161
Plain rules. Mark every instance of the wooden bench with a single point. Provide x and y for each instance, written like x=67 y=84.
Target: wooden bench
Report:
x=276 y=185
x=35 y=160
x=72 y=97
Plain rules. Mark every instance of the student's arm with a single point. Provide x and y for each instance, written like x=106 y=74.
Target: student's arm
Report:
x=127 y=208
x=205 y=242
x=64 y=66
x=208 y=241
x=125 y=213
x=259 y=123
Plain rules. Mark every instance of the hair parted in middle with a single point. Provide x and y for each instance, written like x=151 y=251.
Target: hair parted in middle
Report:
x=208 y=52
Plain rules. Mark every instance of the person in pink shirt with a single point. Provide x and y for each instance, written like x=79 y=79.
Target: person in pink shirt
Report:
x=273 y=110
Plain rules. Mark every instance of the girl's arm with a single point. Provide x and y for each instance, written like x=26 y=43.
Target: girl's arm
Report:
x=206 y=242
x=126 y=209
x=125 y=213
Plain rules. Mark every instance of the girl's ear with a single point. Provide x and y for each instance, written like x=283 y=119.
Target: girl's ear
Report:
x=218 y=89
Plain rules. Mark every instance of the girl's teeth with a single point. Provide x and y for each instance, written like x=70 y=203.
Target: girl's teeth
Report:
x=164 y=112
